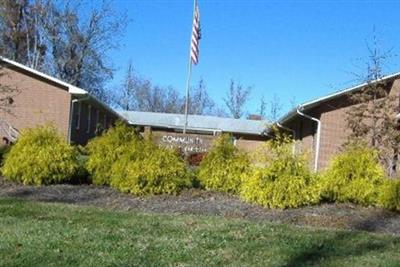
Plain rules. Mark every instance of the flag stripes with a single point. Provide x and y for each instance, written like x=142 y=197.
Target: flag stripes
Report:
x=196 y=36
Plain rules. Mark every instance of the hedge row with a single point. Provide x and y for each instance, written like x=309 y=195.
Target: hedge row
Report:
x=279 y=178
x=120 y=158
x=273 y=176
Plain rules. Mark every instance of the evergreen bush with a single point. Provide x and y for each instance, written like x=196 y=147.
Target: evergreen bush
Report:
x=40 y=156
x=280 y=178
x=150 y=169
x=222 y=167
x=106 y=149
x=389 y=195
x=354 y=175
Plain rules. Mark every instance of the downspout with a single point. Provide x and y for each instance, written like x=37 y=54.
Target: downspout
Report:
x=293 y=135
x=72 y=113
x=317 y=145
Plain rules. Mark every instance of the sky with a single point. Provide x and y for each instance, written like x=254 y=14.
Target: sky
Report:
x=296 y=50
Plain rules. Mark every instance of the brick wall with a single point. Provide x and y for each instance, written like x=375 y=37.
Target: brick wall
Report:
x=334 y=130
x=249 y=145
x=36 y=101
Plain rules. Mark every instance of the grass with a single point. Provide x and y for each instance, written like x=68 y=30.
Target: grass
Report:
x=44 y=234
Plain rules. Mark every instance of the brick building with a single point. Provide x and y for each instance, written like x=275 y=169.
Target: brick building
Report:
x=38 y=98
x=320 y=126
x=201 y=131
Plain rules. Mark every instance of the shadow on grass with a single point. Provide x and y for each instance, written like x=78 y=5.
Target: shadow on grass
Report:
x=68 y=194
x=376 y=222
x=346 y=244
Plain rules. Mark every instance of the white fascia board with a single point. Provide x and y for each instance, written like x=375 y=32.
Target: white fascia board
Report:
x=348 y=90
x=73 y=90
x=311 y=103
x=76 y=90
x=33 y=71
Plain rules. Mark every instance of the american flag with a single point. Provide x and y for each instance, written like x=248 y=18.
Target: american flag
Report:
x=196 y=36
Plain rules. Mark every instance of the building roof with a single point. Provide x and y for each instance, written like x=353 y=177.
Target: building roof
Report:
x=197 y=123
x=73 y=90
x=313 y=103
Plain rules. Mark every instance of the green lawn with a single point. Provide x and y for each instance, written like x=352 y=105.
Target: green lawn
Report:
x=39 y=234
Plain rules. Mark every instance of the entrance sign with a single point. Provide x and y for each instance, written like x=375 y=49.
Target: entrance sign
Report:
x=188 y=143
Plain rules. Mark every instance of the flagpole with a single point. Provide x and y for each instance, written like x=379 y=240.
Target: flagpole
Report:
x=189 y=74
x=187 y=96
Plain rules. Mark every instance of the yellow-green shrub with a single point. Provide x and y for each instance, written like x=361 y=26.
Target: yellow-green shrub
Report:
x=150 y=169
x=104 y=150
x=40 y=156
x=222 y=167
x=354 y=175
x=280 y=178
x=389 y=194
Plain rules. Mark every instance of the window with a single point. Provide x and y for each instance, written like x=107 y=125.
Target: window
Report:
x=89 y=118
x=105 y=121
x=78 y=116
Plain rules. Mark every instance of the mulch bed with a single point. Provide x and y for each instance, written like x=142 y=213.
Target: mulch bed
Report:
x=195 y=201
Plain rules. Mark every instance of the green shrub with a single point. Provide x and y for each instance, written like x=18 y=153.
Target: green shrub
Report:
x=104 y=150
x=354 y=175
x=40 y=156
x=3 y=150
x=222 y=167
x=280 y=178
x=81 y=175
x=389 y=194
x=150 y=169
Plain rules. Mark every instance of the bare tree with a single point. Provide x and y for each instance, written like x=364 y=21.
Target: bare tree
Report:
x=262 y=110
x=80 y=45
x=372 y=117
x=173 y=101
x=125 y=94
x=270 y=110
x=140 y=94
x=12 y=32
x=275 y=108
x=64 y=38
x=200 y=103
x=236 y=99
x=36 y=46
x=21 y=35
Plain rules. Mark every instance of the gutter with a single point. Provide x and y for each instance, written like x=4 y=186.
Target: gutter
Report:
x=317 y=145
